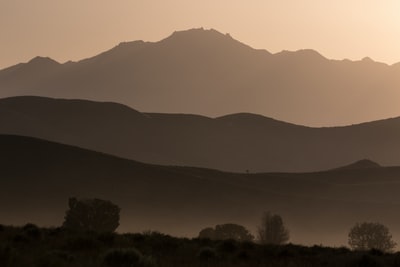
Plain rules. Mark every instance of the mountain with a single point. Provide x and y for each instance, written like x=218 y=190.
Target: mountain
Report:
x=361 y=164
x=236 y=142
x=38 y=177
x=206 y=72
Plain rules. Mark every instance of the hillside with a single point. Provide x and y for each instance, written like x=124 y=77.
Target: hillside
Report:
x=209 y=73
x=39 y=176
x=236 y=142
x=28 y=245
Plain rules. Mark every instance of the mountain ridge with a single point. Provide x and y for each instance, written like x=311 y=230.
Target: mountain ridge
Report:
x=127 y=44
x=209 y=73
x=235 y=142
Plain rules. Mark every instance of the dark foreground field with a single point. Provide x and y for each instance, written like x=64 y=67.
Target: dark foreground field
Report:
x=47 y=247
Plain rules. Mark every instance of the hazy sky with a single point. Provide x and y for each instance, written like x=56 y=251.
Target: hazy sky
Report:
x=75 y=29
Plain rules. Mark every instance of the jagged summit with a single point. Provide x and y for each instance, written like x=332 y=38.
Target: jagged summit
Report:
x=197 y=31
x=361 y=164
x=204 y=37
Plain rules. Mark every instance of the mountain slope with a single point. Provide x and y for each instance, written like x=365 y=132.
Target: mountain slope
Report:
x=38 y=177
x=236 y=142
x=205 y=72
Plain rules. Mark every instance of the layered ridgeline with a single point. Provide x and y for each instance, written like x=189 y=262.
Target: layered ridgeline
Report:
x=38 y=177
x=238 y=142
x=205 y=72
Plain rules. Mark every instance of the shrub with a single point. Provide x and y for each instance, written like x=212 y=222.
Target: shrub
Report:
x=32 y=231
x=228 y=246
x=95 y=215
x=127 y=258
x=6 y=255
x=368 y=261
x=226 y=231
x=82 y=243
x=55 y=258
x=207 y=254
x=107 y=239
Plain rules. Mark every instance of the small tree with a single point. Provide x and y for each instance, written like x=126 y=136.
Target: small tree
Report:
x=227 y=231
x=366 y=236
x=272 y=230
x=92 y=215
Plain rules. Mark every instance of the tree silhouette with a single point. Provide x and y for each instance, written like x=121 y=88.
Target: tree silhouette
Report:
x=92 y=215
x=207 y=233
x=272 y=230
x=365 y=236
x=227 y=231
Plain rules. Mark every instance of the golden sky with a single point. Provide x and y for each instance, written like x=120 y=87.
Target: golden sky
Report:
x=75 y=29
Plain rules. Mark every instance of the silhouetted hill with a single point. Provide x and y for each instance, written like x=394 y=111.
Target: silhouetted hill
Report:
x=38 y=176
x=236 y=142
x=361 y=164
x=205 y=72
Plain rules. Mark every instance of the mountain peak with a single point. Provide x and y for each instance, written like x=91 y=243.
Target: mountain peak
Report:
x=303 y=54
x=310 y=53
x=42 y=61
x=197 y=31
x=361 y=164
x=203 y=37
x=367 y=59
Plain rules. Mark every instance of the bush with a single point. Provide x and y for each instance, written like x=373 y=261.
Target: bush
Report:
x=82 y=243
x=6 y=255
x=243 y=255
x=108 y=239
x=55 y=258
x=226 y=231
x=228 y=246
x=368 y=261
x=95 y=215
x=32 y=231
x=207 y=254
x=127 y=258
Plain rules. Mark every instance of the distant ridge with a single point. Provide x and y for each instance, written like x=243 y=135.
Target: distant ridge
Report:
x=205 y=72
x=236 y=142
x=38 y=177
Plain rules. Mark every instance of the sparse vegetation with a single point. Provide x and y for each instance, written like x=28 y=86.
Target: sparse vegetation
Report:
x=60 y=247
x=127 y=258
